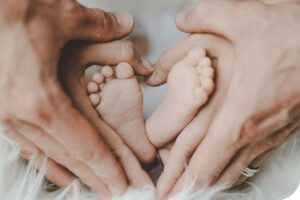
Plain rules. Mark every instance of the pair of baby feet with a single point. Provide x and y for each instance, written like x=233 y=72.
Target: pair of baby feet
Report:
x=117 y=97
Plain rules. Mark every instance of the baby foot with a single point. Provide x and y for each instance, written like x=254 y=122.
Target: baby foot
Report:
x=190 y=82
x=118 y=100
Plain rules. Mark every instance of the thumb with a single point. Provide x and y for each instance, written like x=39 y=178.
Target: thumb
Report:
x=208 y=16
x=97 y=25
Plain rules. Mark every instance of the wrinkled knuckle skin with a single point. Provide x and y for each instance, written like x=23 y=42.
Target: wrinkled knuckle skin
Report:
x=70 y=6
x=86 y=156
x=5 y=117
x=73 y=16
x=26 y=154
x=105 y=24
x=63 y=158
x=164 y=62
x=247 y=135
x=38 y=109
x=207 y=180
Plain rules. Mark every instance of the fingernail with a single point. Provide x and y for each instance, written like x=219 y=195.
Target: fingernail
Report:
x=125 y=19
x=181 y=17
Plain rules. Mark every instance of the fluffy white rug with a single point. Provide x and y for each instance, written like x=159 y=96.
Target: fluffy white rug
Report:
x=278 y=179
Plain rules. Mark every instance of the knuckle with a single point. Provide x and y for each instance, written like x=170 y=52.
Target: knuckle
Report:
x=207 y=179
x=86 y=156
x=63 y=158
x=164 y=61
x=70 y=6
x=73 y=14
x=104 y=22
x=37 y=108
x=5 y=116
x=117 y=172
x=248 y=133
x=26 y=154
x=183 y=147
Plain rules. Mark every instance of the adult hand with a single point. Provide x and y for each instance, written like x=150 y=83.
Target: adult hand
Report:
x=260 y=109
x=34 y=109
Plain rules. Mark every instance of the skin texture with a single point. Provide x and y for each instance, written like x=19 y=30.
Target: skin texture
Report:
x=190 y=82
x=260 y=108
x=80 y=56
x=118 y=100
x=34 y=107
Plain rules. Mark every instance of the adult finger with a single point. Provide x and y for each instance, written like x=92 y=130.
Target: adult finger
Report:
x=111 y=53
x=192 y=135
x=56 y=114
x=254 y=152
x=256 y=164
x=181 y=152
x=213 y=16
x=169 y=58
x=94 y=24
x=216 y=149
x=226 y=137
x=54 y=172
x=54 y=150
x=164 y=152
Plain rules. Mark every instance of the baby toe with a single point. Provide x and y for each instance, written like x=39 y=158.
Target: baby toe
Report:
x=207 y=84
x=92 y=87
x=201 y=95
x=124 y=71
x=205 y=62
x=107 y=72
x=95 y=99
x=194 y=56
x=207 y=72
x=98 y=78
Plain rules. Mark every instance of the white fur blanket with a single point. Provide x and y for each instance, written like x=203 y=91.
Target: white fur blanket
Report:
x=278 y=179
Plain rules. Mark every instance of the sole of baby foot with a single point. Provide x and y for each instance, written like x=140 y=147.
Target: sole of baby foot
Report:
x=118 y=99
x=189 y=84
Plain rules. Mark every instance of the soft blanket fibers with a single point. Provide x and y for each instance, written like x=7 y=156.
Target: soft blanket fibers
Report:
x=277 y=179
